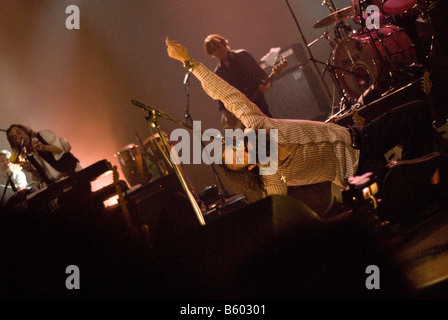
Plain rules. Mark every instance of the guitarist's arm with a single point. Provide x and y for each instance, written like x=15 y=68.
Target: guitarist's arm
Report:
x=257 y=72
x=264 y=86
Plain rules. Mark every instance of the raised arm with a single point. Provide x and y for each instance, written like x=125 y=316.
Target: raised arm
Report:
x=218 y=89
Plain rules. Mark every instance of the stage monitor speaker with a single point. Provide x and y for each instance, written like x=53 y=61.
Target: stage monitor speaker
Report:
x=163 y=206
x=297 y=93
x=275 y=248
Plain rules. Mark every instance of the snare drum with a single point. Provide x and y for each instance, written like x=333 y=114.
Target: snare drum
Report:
x=358 y=64
x=134 y=165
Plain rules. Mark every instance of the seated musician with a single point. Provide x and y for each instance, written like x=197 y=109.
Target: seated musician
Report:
x=48 y=155
x=12 y=178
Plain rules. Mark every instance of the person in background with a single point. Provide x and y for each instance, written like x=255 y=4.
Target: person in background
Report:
x=12 y=178
x=48 y=155
x=241 y=70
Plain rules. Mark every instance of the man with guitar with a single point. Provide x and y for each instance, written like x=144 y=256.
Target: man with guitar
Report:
x=241 y=70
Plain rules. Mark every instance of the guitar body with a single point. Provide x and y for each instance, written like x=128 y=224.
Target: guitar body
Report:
x=276 y=70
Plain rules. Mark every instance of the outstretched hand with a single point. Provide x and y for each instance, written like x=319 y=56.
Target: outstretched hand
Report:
x=177 y=51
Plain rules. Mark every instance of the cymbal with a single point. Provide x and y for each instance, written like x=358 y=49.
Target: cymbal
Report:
x=335 y=17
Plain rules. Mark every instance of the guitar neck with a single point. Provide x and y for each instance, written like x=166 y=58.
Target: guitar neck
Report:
x=275 y=71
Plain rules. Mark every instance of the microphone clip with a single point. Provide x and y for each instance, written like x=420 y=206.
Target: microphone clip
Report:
x=186 y=78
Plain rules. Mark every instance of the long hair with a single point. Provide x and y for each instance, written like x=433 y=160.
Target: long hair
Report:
x=15 y=146
x=249 y=182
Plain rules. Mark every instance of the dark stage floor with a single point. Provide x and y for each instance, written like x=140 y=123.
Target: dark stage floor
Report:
x=273 y=249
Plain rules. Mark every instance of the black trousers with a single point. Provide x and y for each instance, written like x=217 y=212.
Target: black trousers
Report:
x=261 y=103
x=409 y=125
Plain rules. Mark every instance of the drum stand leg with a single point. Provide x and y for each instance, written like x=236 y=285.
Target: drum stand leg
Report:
x=344 y=103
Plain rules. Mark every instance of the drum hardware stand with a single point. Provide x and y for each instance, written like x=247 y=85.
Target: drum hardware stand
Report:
x=345 y=103
x=153 y=120
x=310 y=55
x=329 y=4
x=344 y=27
x=189 y=122
x=325 y=34
x=332 y=44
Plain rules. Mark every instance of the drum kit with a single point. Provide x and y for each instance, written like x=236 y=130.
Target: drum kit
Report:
x=382 y=57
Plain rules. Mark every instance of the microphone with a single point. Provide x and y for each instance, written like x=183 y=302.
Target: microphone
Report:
x=14 y=159
x=187 y=76
x=154 y=112
x=143 y=106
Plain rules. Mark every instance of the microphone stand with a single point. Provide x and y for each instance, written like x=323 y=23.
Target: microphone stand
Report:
x=187 y=115
x=153 y=118
x=189 y=121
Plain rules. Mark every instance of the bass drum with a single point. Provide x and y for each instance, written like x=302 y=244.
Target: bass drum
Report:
x=134 y=165
x=358 y=66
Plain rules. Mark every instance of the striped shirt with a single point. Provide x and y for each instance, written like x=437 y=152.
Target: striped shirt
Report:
x=322 y=151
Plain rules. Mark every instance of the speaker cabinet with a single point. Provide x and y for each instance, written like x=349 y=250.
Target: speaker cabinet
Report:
x=297 y=93
x=163 y=206
x=275 y=248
